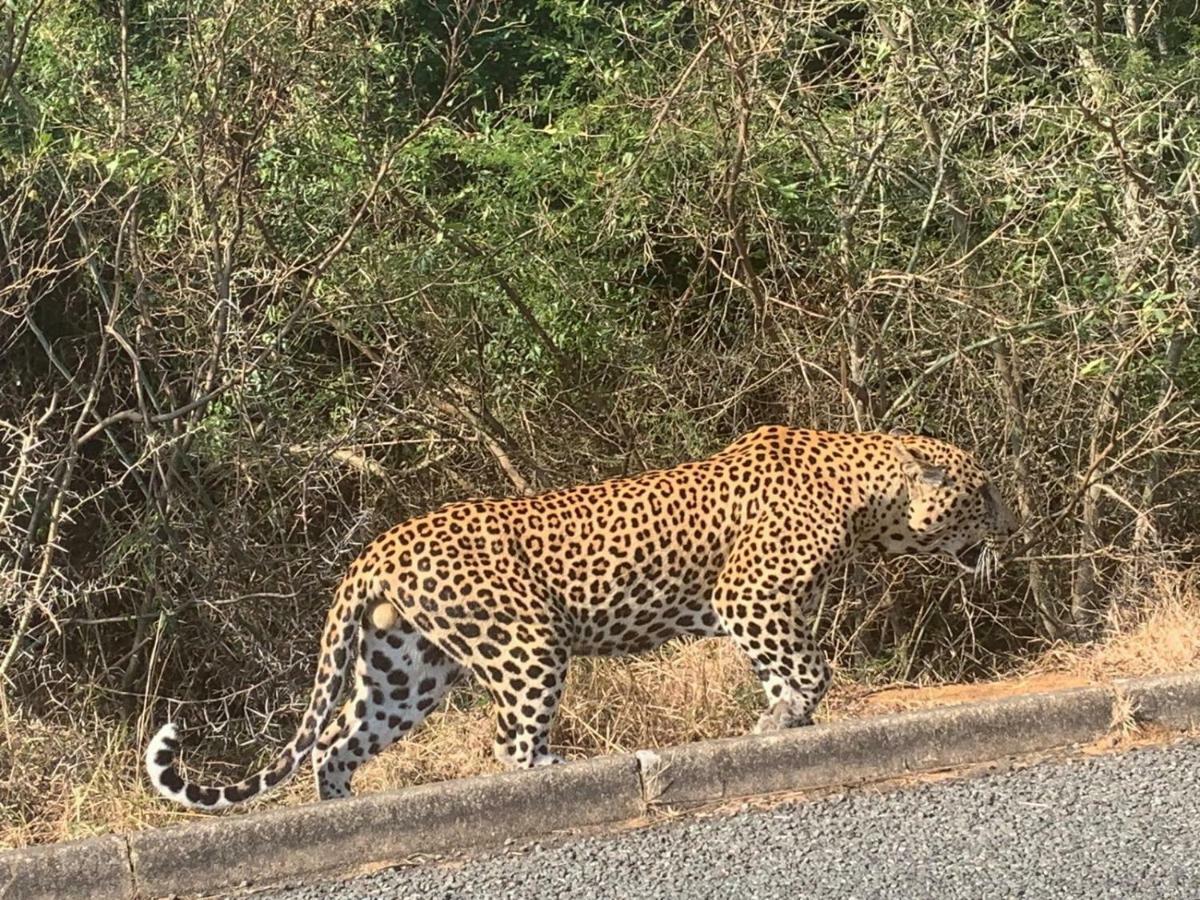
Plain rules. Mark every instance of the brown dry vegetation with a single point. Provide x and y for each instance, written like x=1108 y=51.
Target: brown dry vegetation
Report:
x=65 y=781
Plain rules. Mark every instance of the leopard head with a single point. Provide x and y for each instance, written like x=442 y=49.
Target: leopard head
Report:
x=944 y=504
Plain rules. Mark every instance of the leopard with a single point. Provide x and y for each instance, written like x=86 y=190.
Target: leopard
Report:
x=742 y=544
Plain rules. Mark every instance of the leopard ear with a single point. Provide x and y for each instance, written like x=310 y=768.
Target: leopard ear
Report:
x=916 y=470
x=900 y=432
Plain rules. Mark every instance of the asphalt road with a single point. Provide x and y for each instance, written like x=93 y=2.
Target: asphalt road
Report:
x=1123 y=825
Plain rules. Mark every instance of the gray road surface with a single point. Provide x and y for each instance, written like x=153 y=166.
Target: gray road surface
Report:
x=1124 y=826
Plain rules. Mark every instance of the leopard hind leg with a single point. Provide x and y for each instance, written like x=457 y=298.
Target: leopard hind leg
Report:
x=400 y=677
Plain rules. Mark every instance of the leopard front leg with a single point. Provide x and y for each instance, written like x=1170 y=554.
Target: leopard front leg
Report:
x=792 y=698
x=787 y=661
x=765 y=599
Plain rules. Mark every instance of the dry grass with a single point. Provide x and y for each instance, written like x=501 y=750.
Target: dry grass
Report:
x=64 y=781
x=1153 y=637
x=1155 y=633
x=60 y=781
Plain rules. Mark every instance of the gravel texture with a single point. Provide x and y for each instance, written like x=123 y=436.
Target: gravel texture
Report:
x=1124 y=826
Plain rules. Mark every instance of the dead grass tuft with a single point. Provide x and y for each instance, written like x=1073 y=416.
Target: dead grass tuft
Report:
x=60 y=781
x=700 y=690
x=1154 y=634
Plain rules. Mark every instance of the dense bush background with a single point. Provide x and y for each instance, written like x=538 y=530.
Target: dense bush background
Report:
x=273 y=276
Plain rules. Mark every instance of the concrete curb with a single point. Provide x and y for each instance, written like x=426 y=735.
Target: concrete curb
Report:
x=368 y=831
x=1171 y=701
x=343 y=837
x=873 y=749
x=96 y=867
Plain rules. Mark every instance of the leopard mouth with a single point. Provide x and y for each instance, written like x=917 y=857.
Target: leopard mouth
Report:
x=969 y=557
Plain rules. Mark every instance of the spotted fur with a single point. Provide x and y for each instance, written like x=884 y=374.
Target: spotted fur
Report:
x=508 y=591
